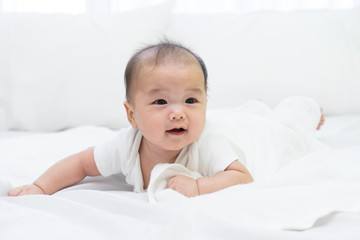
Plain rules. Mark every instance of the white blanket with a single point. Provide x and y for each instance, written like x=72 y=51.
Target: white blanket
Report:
x=295 y=197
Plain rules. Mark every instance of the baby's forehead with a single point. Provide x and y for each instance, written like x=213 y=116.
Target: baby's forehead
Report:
x=161 y=57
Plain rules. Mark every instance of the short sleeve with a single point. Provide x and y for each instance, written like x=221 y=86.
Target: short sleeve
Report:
x=112 y=156
x=216 y=153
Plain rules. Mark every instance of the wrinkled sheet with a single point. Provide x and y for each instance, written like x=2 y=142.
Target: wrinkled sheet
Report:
x=294 y=198
x=322 y=197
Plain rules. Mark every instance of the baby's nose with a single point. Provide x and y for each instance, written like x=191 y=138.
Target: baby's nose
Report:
x=177 y=114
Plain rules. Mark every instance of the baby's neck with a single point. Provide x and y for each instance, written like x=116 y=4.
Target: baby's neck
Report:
x=150 y=156
x=155 y=154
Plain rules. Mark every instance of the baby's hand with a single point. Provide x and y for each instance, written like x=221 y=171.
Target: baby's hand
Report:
x=25 y=190
x=184 y=185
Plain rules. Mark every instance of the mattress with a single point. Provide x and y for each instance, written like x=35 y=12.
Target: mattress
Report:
x=106 y=208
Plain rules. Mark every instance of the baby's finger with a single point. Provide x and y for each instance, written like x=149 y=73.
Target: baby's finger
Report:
x=170 y=183
x=15 y=191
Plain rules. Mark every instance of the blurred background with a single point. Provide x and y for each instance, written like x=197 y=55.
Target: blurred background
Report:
x=62 y=61
x=181 y=6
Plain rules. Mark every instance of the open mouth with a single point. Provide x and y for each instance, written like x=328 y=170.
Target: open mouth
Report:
x=176 y=131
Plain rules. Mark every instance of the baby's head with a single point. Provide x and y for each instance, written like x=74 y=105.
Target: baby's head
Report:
x=166 y=99
x=164 y=52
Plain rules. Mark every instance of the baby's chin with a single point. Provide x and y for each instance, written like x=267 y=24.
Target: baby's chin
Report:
x=177 y=147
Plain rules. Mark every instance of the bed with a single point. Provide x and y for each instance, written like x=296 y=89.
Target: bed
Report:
x=106 y=208
x=46 y=113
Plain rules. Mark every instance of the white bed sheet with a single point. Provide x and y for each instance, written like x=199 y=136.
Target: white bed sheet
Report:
x=105 y=208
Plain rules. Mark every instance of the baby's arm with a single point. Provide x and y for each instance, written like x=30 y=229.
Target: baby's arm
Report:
x=235 y=173
x=64 y=173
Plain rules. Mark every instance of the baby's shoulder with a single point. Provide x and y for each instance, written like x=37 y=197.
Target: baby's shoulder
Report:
x=213 y=136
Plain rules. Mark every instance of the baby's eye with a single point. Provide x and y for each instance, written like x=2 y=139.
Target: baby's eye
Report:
x=160 y=102
x=191 y=101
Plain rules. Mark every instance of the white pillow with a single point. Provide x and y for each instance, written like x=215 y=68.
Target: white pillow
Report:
x=67 y=70
x=272 y=55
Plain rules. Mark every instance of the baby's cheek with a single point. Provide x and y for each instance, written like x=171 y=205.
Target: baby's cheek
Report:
x=201 y=123
x=197 y=131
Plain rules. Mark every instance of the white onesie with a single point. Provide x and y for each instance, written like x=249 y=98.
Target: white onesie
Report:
x=210 y=154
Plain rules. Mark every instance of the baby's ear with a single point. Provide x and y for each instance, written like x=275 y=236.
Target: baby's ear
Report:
x=130 y=114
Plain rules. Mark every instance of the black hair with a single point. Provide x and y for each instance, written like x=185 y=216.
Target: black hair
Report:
x=159 y=52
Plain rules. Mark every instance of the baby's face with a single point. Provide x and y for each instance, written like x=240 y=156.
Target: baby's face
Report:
x=169 y=105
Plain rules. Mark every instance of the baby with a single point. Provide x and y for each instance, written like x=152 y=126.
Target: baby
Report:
x=166 y=99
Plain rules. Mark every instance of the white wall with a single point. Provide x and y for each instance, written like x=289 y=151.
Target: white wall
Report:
x=64 y=70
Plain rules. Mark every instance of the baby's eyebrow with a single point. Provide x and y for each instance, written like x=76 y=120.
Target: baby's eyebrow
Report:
x=195 y=90
x=155 y=91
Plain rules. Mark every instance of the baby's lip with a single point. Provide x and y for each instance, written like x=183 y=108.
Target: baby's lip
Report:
x=176 y=130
